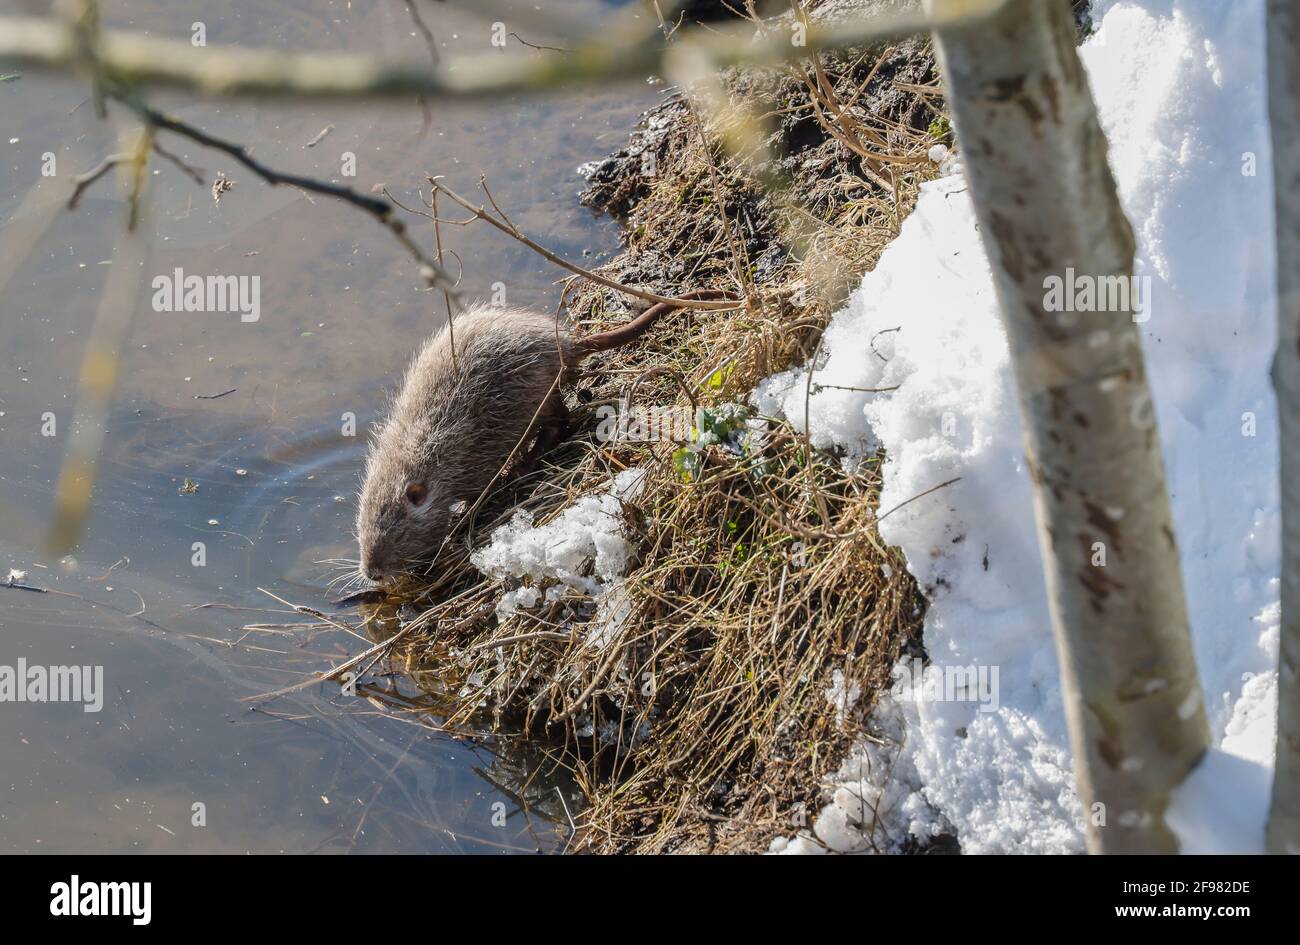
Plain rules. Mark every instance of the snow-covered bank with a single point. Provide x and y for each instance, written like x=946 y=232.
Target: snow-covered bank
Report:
x=555 y=556
x=1180 y=88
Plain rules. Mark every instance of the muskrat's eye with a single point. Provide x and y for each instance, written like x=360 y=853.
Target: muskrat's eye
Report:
x=416 y=493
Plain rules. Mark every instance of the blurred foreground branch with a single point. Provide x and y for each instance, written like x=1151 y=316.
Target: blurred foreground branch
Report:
x=1283 y=831
x=129 y=58
x=100 y=364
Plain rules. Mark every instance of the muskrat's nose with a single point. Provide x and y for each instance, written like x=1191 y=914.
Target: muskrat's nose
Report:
x=373 y=569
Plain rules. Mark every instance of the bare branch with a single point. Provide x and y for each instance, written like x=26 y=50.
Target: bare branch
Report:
x=82 y=182
x=133 y=59
x=193 y=173
x=432 y=272
x=505 y=226
x=429 y=40
x=536 y=46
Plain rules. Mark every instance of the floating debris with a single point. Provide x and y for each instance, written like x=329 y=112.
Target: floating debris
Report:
x=220 y=186
x=15 y=580
x=319 y=137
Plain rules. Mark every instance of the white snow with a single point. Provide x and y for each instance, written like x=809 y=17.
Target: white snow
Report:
x=1180 y=88
x=587 y=536
x=874 y=801
x=843 y=694
x=1222 y=806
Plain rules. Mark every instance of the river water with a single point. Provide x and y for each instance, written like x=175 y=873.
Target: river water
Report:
x=264 y=478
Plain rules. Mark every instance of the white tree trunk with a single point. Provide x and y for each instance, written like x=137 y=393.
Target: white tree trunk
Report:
x=1284 y=117
x=1035 y=159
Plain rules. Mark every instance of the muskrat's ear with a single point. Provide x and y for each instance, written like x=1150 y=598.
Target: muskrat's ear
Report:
x=416 y=493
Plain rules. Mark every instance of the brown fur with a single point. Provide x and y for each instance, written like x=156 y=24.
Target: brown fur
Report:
x=451 y=428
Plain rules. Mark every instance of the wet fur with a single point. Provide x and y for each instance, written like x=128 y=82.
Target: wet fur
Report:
x=452 y=428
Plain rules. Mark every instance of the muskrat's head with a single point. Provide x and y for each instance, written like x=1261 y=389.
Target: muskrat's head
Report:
x=402 y=518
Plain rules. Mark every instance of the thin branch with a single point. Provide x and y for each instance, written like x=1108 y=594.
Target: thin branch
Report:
x=193 y=173
x=82 y=182
x=423 y=27
x=505 y=226
x=379 y=648
x=536 y=46
x=919 y=495
x=431 y=271
x=446 y=296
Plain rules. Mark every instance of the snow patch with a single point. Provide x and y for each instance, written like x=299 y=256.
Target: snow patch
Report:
x=1180 y=88
x=1222 y=806
x=584 y=548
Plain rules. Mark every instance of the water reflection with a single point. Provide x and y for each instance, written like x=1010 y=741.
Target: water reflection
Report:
x=263 y=479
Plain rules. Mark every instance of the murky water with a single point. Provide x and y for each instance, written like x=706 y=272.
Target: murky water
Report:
x=263 y=477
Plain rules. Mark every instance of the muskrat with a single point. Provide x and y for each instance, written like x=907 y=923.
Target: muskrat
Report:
x=453 y=426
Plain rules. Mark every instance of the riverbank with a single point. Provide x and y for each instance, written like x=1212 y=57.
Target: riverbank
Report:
x=702 y=626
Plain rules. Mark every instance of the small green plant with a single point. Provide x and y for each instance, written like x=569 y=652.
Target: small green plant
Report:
x=740 y=551
x=941 y=127
x=719 y=377
x=732 y=429
x=734 y=558
x=688 y=463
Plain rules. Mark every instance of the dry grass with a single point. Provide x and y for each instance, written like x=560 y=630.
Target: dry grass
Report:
x=702 y=722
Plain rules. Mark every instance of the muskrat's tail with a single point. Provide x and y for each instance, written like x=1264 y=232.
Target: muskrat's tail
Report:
x=638 y=326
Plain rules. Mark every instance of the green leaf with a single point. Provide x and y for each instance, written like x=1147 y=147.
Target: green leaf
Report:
x=719 y=377
x=688 y=463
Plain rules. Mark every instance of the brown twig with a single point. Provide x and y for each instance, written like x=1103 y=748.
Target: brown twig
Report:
x=536 y=46
x=505 y=226
x=82 y=182
x=193 y=173
x=446 y=296
x=919 y=495
x=425 y=32
x=337 y=670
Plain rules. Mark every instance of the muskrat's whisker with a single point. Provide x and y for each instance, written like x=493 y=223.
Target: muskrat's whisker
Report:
x=342 y=580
